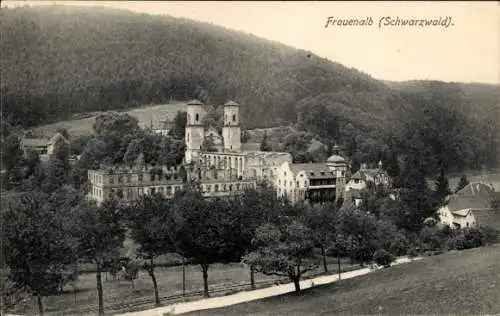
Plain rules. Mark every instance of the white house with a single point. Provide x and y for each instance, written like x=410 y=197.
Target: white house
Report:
x=470 y=207
x=315 y=182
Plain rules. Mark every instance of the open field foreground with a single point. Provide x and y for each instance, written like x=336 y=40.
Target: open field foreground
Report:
x=465 y=283
x=119 y=296
x=182 y=308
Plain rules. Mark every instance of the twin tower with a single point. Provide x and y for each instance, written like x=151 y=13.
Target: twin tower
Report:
x=196 y=132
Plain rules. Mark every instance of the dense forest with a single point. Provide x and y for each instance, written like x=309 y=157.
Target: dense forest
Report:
x=58 y=61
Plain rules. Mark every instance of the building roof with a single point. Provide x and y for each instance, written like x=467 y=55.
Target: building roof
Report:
x=476 y=196
x=313 y=170
x=194 y=102
x=457 y=203
x=250 y=146
x=335 y=158
x=231 y=103
x=35 y=142
x=56 y=138
x=487 y=217
x=364 y=174
x=477 y=189
x=269 y=157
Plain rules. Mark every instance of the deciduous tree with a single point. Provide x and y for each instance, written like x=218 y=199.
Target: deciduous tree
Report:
x=285 y=249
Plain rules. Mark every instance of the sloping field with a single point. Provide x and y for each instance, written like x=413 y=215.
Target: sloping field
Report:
x=145 y=114
x=464 y=283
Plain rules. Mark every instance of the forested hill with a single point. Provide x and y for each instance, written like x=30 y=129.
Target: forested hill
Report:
x=58 y=61
x=71 y=59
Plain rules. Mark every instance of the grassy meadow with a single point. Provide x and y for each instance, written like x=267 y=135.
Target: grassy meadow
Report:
x=121 y=296
x=454 y=283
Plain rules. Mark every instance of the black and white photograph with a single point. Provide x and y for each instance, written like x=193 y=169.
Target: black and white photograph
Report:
x=216 y=158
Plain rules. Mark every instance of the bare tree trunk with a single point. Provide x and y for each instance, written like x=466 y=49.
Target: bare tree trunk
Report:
x=338 y=262
x=99 y=290
x=204 y=268
x=40 y=304
x=252 y=277
x=296 y=283
x=323 y=255
x=155 y=284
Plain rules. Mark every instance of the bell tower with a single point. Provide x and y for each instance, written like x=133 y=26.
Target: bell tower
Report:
x=231 y=132
x=194 y=130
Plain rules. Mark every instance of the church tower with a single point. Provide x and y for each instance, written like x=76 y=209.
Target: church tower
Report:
x=194 y=129
x=231 y=132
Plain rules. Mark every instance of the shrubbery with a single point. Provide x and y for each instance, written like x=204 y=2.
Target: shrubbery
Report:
x=383 y=258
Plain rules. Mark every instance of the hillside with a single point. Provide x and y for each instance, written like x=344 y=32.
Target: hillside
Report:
x=71 y=59
x=463 y=283
x=60 y=61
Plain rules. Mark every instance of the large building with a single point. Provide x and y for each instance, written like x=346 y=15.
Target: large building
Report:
x=128 y=183
x=314 y=182
x=223 y=167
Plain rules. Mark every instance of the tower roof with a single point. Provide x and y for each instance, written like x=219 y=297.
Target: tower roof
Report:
x=231 y=103
x=194 y=102
x=335 y=159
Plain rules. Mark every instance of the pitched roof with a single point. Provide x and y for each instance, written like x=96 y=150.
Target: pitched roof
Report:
x=313 y=170
x=367 y=173
x=56 y=138
x=250 y=147
x=477 y=189
x=35 y=142
x=270 y=157
x=488 y=218
x=457 y=203
x=231 y=103
x=194 y=102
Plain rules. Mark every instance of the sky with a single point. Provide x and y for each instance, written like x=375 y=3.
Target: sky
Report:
x=467 y=49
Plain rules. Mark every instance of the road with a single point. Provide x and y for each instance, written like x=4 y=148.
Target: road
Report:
x=246 y=296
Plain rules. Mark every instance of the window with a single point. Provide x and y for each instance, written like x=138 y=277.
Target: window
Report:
x=129 y=178
x=153 y=190
x=111 y=179
x=209 y=188
x=284 y=173
x=120 y=179
x=140 y=177
x=216 y=188
x=234 y=118
x=188 y=137
x=297 y=183
x=169 y=190
x=290 y=183
x=305 y=183
x=152 y=176
x=197 y=117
